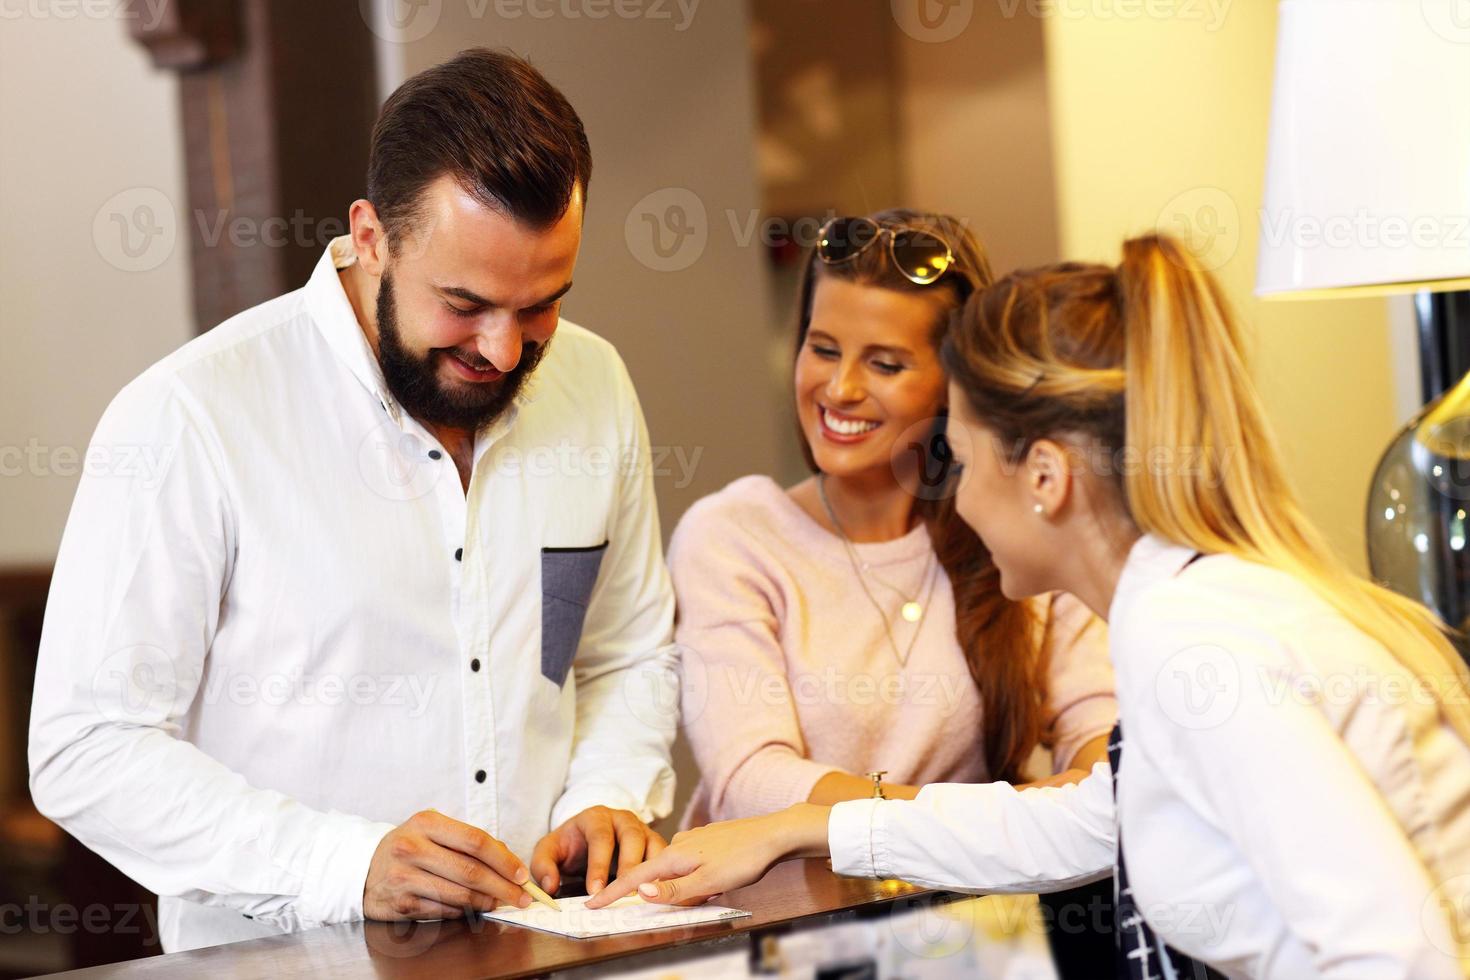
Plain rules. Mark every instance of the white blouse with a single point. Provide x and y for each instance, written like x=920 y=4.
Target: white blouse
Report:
x=1294 y=804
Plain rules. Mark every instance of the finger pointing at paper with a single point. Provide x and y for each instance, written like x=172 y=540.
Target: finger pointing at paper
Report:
x=708 y=861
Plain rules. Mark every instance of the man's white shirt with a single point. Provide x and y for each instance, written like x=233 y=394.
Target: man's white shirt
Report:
x=293 y=629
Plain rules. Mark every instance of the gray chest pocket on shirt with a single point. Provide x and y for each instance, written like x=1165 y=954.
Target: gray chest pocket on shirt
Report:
x=567 y=577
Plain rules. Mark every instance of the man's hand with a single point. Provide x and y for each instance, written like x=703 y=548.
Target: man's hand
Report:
x=434 y=867
x=586 y=843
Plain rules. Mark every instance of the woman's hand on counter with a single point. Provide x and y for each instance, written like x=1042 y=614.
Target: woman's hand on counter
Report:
x=708 y=861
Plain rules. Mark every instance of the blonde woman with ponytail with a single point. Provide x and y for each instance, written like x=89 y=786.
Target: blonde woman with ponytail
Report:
x=1293 y=797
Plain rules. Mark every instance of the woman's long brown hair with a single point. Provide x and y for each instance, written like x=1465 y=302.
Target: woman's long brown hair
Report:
x=1000 y=638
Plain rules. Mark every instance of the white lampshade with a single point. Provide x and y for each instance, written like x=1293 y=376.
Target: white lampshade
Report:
x=1368 y=170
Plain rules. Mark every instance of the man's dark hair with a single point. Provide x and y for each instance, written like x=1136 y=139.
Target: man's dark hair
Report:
x=491 y=121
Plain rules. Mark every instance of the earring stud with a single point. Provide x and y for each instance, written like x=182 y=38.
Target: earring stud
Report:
x=1038 y=508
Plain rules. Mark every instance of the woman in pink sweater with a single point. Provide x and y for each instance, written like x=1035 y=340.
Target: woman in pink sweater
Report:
x=852 y=623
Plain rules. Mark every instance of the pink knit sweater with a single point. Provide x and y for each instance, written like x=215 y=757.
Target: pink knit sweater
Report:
x=788 y=674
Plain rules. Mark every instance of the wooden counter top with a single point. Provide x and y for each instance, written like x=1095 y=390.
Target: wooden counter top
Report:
x=793 y=891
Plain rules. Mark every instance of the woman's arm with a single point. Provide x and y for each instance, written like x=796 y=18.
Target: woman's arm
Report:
x=719 y=857
x=989 y=837
x=977 y=838
x=1088 y=756
x=839 y=787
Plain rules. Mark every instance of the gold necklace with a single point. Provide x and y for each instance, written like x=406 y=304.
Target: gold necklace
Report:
x=913 y=610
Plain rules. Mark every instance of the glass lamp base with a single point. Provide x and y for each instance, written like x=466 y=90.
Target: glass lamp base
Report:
x=1417 y=507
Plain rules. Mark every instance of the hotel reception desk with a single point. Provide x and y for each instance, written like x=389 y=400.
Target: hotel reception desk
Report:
x=804 y=921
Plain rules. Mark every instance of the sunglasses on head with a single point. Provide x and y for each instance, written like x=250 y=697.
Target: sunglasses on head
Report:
x=921 y=256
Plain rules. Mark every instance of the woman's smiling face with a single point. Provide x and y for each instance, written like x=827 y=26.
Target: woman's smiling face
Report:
x=867 y=374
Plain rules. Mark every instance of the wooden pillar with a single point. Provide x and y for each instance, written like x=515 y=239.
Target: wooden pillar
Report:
x=277 y=104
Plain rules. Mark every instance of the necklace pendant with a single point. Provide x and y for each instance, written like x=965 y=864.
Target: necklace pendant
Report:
x=911 y=612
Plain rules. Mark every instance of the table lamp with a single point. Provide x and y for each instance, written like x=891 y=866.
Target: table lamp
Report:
x=1368 y=193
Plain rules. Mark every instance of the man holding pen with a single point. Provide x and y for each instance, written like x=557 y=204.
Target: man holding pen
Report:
x=403 y=556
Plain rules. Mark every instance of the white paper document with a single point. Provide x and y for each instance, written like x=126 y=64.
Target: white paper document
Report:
x=628 y=914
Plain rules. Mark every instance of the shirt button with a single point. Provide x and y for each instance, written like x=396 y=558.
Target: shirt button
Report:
x=459 y=554
x=479 y=775
x=435 y=454
x=475 y=665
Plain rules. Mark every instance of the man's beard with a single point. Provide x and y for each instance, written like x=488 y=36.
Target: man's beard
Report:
x=414 y=382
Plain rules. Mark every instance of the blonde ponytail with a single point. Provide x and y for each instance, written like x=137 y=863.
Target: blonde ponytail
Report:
x=1032 y=355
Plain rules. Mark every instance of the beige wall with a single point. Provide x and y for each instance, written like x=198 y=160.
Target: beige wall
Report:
x=83 y=118
x=1162 y=121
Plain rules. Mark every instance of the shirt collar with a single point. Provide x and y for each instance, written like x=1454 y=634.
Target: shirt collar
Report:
x=1150 y=560
x=334 y=316
x=332 y=311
